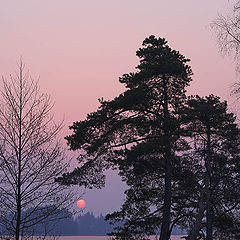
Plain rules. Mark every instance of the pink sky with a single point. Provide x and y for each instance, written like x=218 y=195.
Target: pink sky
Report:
x=80 y=48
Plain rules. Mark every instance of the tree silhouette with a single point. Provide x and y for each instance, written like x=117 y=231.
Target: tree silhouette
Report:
x=227 y=30
x=215 y=136
x=146 y=114
x=30 y=157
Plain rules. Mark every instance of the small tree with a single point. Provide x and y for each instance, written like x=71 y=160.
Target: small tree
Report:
x=215 y=137
x=30 y=158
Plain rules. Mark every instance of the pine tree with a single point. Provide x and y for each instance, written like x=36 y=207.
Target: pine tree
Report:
x=215 y=136
x=146 y=114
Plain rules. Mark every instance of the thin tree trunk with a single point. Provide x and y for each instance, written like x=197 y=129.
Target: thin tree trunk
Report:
x=198 y=222
x=209 y=223
x=165 y=227
x=19 y=207
x=18 y=220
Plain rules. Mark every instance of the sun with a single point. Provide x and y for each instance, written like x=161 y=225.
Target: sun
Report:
x=81 y=203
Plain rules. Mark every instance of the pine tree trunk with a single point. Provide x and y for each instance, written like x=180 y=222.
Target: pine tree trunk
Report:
x=209 y=228
x=165 y=227
x=198 y=222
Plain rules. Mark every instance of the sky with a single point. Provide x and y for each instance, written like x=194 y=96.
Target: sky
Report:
x=79 y=49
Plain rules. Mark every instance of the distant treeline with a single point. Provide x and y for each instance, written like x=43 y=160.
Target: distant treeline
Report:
x=90 y=225
x=65 y=224
x=84 y=225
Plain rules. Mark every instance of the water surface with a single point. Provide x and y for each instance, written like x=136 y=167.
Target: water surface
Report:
x=175 y=237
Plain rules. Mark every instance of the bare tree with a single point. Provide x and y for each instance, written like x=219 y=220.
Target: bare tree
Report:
x=30 y=158
x=227 y=29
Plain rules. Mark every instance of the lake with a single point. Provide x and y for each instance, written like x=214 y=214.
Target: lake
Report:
x=104 y=238
x=173 y=237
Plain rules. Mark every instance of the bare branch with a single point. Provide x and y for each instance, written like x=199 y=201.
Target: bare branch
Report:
x=31 y=157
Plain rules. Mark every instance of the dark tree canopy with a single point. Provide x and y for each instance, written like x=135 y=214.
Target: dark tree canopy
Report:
x=215 y=137
x=145 y=117
x=135 y=115
x=178 y=156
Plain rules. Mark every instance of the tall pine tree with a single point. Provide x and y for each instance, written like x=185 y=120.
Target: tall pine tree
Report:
x=146 y=114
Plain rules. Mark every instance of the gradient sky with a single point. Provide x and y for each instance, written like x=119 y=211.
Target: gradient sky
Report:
x=80 y=48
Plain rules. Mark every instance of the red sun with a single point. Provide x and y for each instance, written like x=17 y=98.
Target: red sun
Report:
x=81 y=203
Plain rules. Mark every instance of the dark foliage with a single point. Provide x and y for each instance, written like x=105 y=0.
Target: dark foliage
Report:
x=215 y=146
x=178 y=156
x=139 y=133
